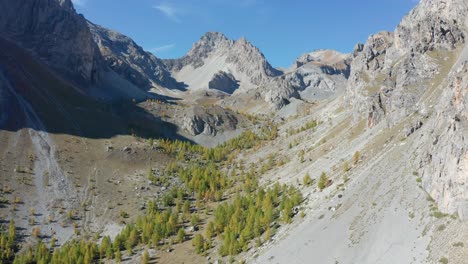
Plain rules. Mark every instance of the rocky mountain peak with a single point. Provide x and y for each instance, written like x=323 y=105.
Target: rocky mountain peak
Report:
x=213 y=37
x=243 y=64
x=209 y=42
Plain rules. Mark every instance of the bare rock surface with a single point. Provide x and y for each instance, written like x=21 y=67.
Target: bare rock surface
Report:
x=55 y=34
x=208 y=121
x=130 y=61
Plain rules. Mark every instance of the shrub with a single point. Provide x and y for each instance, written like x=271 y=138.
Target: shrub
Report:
x=345 y=167
x=124 y=214
x=356 y=157
x=444 y=260
x=458 y=244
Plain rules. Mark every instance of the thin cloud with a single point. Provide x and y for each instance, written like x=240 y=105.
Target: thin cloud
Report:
x=79 y=2
x=170 y=11
x=163 y=48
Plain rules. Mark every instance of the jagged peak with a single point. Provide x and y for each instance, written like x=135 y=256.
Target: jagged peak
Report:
x=212 y=39
x=209 y=42
x=214 y=36
x=243 y=40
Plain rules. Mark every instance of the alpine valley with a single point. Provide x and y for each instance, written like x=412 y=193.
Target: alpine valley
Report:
x=109 y=154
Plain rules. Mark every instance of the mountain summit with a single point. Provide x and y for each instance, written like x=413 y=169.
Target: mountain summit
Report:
x=215 y=56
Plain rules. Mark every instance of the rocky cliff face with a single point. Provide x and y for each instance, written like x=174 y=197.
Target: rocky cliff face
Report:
x=392 y=70
x=130 y=61
x=214 y=53
x=53 y=31
x=443 y=152
x=208 y=121
x=417 y=73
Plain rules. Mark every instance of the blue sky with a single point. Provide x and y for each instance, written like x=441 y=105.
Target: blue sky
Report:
x=281 y=29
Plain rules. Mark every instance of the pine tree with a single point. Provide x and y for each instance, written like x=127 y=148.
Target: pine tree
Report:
x=118 y=256
x=181 y=235
x=323 y=181
x=145 y=257
x=307 y=180
x=198 y=243
x=210 y=230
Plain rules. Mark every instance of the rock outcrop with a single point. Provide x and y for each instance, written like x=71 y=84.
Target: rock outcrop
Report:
x=329 y=61
x=208 y=121
x=224 y=82
x=317 y=75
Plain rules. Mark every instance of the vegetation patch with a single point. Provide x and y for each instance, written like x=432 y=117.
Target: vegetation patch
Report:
x=207 y=177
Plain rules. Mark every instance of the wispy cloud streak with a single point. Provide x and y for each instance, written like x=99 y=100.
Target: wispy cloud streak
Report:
x=169 y=11
x=163 y=48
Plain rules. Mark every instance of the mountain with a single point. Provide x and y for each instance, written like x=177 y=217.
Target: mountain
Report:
x=218 y=60
x=130 y=61
x=56 y=34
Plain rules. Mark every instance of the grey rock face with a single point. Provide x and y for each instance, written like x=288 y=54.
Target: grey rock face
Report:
x=330 y=62
x=315 y=75
x=443 y=150
x=250 y=61
x=53 y=31
x=208 y=121
x=225 y=82
x=398 y=76
x=433 y=24
x=391 y=71
x=130 y=61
